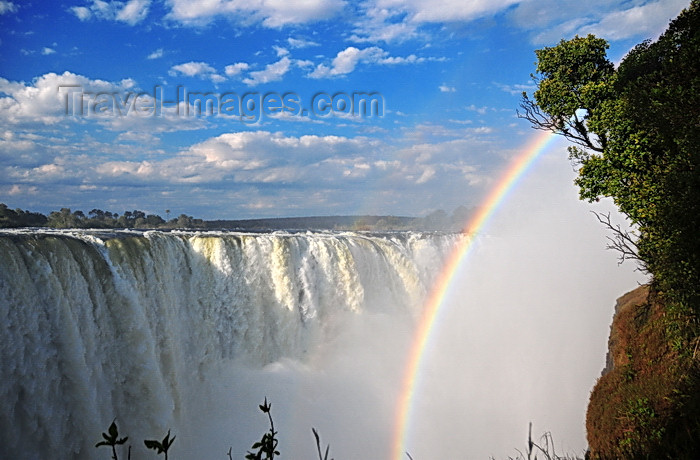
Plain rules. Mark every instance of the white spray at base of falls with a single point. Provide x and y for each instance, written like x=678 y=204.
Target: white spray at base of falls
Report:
x=152 y=328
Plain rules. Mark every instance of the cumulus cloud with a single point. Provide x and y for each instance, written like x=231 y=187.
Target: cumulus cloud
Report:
x=309 y=161
x=81 y=12
x=248 y=157
x=196 y=69
x=447 y=89
x=131 y=12
x=54 y=99
x=281 y=51
x=389 y=20
x=234 y=69
x=556 y=19
x=450 y=10
x=7 y=7
x=271 y=14
x=301 y=42
x=255 y=166
x=272 y=72
x=394 y=21
x=157 y=54
x=44 y=101
x=347 y=60
x=649 y=20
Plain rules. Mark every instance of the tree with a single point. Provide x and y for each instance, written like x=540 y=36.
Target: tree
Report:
x=66 y=219
x=575 y=81
x=20 y=218
x=636 y=131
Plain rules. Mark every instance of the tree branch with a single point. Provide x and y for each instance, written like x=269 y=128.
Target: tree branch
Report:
x=574 y=129
x=621 y=241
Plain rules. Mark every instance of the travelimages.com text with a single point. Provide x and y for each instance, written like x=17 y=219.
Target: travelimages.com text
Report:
x=248 y=107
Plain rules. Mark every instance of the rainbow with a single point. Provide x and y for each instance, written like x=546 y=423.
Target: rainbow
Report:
x=426 y=324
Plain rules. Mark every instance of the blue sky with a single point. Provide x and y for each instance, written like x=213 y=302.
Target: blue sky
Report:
x=446 y=76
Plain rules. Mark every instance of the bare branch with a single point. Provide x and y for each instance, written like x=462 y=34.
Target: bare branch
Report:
x=573 y=129
x=621 y=241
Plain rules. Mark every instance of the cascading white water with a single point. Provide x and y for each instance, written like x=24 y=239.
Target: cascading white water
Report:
x=136 y=327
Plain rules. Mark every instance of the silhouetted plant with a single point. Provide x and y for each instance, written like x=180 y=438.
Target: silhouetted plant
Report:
x=111 y=439
x=546 y=448
x=318 y=446
x=161 y=446
x=267 y=445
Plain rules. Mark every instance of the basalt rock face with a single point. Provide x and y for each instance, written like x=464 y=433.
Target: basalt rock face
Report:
x=646 y=404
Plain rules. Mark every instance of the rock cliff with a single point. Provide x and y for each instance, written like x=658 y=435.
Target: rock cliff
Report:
x=647 y=401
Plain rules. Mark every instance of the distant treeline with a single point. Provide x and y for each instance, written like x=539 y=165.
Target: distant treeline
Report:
x=96 y=218
x=65 y=218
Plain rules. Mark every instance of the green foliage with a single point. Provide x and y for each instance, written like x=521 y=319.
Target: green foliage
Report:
x=637 y=132
x=96 y=218
x=18 y=218
x=574 y=80
x=636 y=135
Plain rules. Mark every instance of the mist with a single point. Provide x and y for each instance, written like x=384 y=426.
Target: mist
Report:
x=191 y=332
x=521 y=338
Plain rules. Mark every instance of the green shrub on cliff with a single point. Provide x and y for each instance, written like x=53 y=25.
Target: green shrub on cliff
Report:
x=636 y=131
x=636 y=135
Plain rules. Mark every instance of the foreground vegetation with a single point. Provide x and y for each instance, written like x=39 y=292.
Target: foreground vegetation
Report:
x=267 y=447
x=636 y=136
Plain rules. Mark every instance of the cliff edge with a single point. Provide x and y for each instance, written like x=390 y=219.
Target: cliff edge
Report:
x=646 y=404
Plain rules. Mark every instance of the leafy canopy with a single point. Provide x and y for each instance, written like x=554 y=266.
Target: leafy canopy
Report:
x=636 y=131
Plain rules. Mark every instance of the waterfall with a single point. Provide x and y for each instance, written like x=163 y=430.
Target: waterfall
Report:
x=97 y=326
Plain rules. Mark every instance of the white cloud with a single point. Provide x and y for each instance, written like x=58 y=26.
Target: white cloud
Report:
x=447 y=89
x=7 y=7
x=44 y=100
x=427 y=175
x=192 y=69
x=410 y=59
x=280 y=51
x=450 y=10
x=516 y=89
x=270 y=13
x=554 y=19
x=301 y=42
x=244 y=158
x=231 y=166
x=81 y=12
x=272 y=72
x=196 y=69
x=132 y=12
x=157 y=54
x=479 y=110
x=392 y=20
x=53 y=99
x=648 y=20
x=235 y=69
x=46 y=50
x=347 y=60
x=17 y=189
